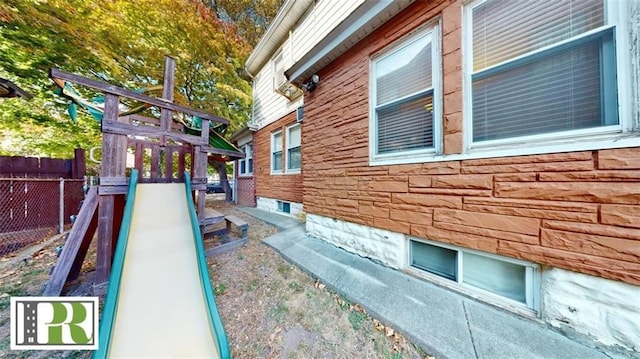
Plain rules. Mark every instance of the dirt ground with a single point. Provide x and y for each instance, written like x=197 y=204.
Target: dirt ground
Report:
x=270 y=309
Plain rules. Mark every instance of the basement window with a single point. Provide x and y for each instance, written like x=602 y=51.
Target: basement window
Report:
x=284 y=207
x=487 y=276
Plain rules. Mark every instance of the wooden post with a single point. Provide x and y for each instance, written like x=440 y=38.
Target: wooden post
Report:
x=114 y=154
x=79 y=166
x=199 y=172
x=167 y=95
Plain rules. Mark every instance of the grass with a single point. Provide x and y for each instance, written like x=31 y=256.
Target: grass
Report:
x=296 y=287
x=219 y=289
x=285 y=270
x=280 y=311
x=253 y=285
x=4 y=344
x=357 y=319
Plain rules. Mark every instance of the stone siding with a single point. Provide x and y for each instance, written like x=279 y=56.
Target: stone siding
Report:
x=285 y=187
x=378 y=244
x=573 y=306
x=574 y=210
x=271 y=205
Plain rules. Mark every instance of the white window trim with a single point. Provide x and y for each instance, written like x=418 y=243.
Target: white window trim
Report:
x=287 y=143
x=246 y=161
x=415 y=156
x=273 y=150
x=532 y=285
x=275 y=73
x=605 y=137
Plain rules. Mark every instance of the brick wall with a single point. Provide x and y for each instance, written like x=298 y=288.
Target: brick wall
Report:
x=286 y=187
x=246 y=191
x=577 y=211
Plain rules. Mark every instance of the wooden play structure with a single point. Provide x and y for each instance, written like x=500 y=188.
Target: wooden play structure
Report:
x=162 y=150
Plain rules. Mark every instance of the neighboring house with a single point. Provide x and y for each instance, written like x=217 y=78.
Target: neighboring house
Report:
x=277 y=104
x=244 y=180
x=490 y=146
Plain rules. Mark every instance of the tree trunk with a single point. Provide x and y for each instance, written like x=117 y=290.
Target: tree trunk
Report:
x=221 y=167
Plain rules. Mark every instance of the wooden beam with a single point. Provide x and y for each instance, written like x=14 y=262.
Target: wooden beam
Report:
x=114 y=157
x=167 y=92
x=155 y=162
x=168 y=164
x=218 y=151
x=121 y=128
x=84 y=247
x=111 y=89
x=111 y=190
x=154 y=121
x=113 y=181
x=105 y=244
x=79 y=238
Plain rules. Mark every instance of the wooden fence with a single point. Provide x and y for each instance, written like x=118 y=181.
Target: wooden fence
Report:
x=37 y=198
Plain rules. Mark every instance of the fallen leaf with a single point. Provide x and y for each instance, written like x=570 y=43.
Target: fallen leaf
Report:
x=388 y=331
x=379 y=326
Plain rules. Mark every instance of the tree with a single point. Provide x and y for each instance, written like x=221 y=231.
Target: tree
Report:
x=251 y=17
x=123 y=42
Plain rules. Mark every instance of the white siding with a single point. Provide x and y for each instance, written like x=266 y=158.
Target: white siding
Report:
x=269 y=106
x=324 y=17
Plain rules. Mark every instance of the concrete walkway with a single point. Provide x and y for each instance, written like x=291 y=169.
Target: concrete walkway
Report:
x=281 y=222
x=445 y=324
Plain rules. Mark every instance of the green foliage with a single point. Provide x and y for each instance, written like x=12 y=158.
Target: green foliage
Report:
x=219 y=289
x=279 y=311
x=124 y=43
x=253 y=285
x=251 y=17
x=285 y=270
x=357 y=319
x=296 y=287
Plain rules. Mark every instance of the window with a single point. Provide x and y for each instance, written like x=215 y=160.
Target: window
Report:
x=505 y=278
x=405 y=105
x=543 y=69
x=284 y=207
x=246 y=164
x=276 y=151
x=293 y=148
x=278 y=70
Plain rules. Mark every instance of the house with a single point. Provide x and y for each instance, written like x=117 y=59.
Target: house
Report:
x=489 y=146
x=278 y=105
x=244 y=181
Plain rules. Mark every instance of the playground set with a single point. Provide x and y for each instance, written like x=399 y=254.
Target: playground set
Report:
x=151 y=259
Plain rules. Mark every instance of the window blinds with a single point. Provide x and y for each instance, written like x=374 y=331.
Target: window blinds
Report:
x=294 y=137
x=404 y=72
x=520 y=91
x=505 y=29
x=404 y=98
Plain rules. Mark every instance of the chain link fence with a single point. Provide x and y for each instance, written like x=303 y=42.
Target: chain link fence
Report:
x=34 y=209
